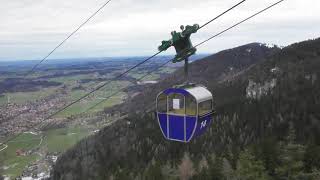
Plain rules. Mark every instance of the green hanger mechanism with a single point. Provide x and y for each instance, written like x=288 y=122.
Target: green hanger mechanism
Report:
x=182 y=43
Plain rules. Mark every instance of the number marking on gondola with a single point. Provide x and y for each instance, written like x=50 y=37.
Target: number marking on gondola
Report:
x=203 y=124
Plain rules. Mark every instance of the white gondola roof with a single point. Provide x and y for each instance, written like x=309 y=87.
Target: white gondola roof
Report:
x=200 y=93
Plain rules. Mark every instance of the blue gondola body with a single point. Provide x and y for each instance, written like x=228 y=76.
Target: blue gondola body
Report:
x=184 y=127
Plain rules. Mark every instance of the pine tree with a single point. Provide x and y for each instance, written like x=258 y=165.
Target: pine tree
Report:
x=291 y=158
x=202 y=175
x=311 y=158
x=154 y=172
x=227 y=170
x=203 y=172
x=215 y=167
x=123 y=174
x=268 y=151
x=111 y=177
x=291 y=137
x=168 y=170
x=248 y=168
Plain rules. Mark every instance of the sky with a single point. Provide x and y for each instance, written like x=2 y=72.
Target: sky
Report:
x=30 y=29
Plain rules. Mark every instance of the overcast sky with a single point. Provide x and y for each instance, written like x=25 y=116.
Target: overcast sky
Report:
x=30 y=29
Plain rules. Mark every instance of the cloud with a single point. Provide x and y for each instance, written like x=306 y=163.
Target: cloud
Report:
x=30 y=29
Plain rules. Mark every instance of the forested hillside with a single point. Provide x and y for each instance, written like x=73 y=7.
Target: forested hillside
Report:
x=266 y=126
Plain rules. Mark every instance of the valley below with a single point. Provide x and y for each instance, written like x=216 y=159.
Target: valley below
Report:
x=26 y=101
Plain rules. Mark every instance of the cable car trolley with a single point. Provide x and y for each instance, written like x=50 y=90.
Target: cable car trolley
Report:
x=184 y=112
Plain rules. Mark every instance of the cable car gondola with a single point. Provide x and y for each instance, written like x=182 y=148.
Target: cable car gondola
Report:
x=183 y=111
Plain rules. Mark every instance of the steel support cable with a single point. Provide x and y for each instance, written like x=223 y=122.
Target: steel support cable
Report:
x=201 y=43
x=86 y=95
x=231 y=27
x=222 y=14
x=94 y=14
x=215 y=18
x=138 y=63
x=50 y=116
x=142 y=77
x=68 y=37
x=142 y=62
x=117 y=92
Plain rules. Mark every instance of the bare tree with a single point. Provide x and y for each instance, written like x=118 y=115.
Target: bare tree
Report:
x=186 y=169
x=203 y=164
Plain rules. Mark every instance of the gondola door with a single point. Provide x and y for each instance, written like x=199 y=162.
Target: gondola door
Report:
x=176 y=117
